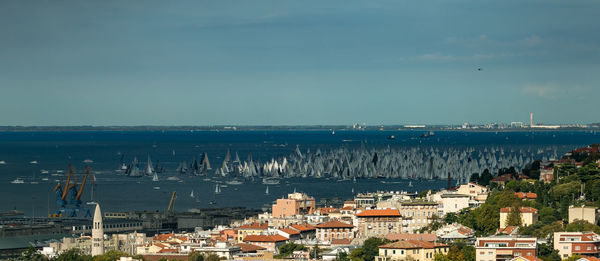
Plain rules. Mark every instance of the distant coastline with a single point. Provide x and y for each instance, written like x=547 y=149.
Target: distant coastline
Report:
x=484 y=128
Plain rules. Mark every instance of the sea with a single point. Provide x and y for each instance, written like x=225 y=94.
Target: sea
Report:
x=41 y=159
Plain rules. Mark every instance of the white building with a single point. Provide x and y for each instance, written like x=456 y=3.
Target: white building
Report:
x=97 y=233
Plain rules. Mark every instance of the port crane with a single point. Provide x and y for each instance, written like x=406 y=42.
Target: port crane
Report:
x=171 y=208
x=72 y=206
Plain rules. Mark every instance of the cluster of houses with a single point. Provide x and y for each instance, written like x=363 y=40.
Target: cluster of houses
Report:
x=397 y=216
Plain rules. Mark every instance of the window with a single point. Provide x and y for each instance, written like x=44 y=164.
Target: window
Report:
x=577 y=248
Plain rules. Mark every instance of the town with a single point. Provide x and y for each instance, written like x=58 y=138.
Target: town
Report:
x=547 y=212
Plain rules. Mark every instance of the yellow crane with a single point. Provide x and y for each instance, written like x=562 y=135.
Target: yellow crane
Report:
x=171 y=208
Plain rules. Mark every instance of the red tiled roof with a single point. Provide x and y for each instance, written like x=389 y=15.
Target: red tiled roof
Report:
x=163 y=237
x=265 y=238
x=255 y=225
x=341 y=241
x=412 y=244
x=379 y=213
x=508 y=230
x=590 y=258
x=326 y=210
x=521 y=210
x=290 y=231
x=347 y=208
x=509 y=241
x=334 y=224
x=528 y=195
x=246 y=248
x=407 y=236
x=303 y=227
x=505 y=177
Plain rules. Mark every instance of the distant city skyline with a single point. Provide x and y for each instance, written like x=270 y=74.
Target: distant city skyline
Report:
x=122 y=63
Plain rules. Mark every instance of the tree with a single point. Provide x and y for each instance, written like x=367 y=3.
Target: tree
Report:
x=485 y=178
x=32 y=254
x=547 y=252
x=110 y=256
x=73 y=254
x=289 y=248
x=342 y=256
x=195 y=256
x=450 y=218
x=369 y=250
x=212 y=257
x=514 y=217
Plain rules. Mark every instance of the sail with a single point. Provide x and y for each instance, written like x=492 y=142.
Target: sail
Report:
x=149 y=168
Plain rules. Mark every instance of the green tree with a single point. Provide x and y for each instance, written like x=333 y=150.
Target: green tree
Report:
x=450 y=218
x=212 y=257
x=287 y=249
x=32 y=254
x=369 y=250
x=110 y=256
x=485 y=178
x=195 y=256
x=74 y=254
x=514 y=217
x=342 y=256
x=547 y=252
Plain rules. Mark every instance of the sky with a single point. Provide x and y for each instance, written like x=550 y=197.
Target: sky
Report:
x=298 y=62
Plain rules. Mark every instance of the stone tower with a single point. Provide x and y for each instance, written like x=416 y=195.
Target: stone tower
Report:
x=97 y=233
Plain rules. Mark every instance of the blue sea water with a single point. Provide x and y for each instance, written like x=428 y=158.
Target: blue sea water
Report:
x=56 y=150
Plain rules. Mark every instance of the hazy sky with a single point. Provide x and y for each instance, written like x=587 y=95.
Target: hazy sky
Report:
x=298 y=62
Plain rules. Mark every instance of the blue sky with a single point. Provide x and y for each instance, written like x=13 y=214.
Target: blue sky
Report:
x=298 y=62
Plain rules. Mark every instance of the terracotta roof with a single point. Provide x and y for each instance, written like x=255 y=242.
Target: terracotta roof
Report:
x=528 y=195
x=521 y=210
x=347 y=208
x=156 y=257
x=341 y=241
x=379 y=213
x=265 y=238
x=163 y=237
x=412 y=244
x=334 y=224
x=290 y=231
x=303 y=227
x=246 y=248
x=529 y=258
x=589 y=258
x=326 y=210
x=510 y=241
x=508 y=230
x=407 y=236
x=505 y=177
x=255 y=225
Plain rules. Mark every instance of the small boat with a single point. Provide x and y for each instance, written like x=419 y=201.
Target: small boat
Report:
x=267 y=191
x=17 y=181
x=234 y=182
x=270 y=181
x=34 y=162
x=88 y=161
x=410 y=184
x=207 y=179
x=217 y=189
x=391 y=137
x=91 y=203
x=2 y=162
x=192 y=194
x=44 y=179
x=155 y=177
x=43 y=171
x=428 y=134
x=156 y=188
x=173 y=178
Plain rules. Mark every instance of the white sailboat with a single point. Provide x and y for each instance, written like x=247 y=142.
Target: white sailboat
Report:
x=155 y=177
x=192 y=194
x=217 y=189
x=410 y=184
x=267 y=191
x=149 y=168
